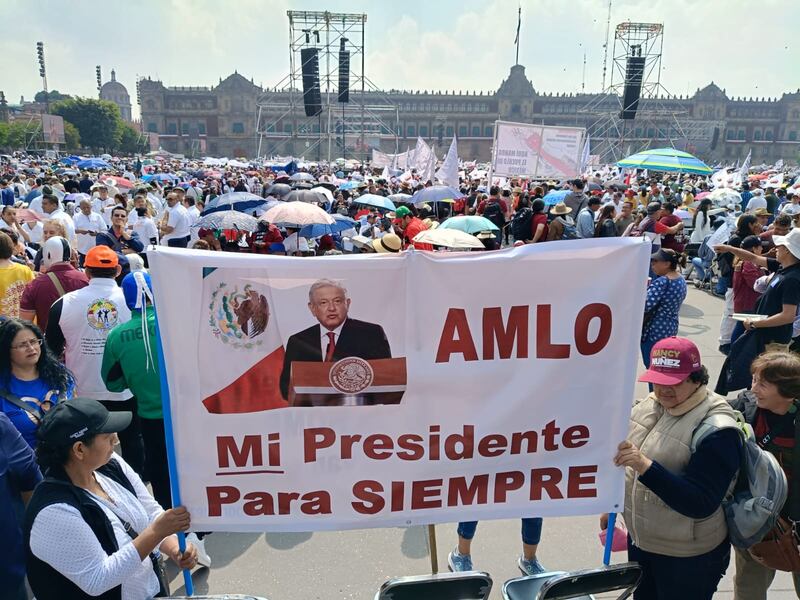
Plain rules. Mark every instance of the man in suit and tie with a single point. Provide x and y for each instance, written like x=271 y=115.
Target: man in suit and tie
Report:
x=336 y=336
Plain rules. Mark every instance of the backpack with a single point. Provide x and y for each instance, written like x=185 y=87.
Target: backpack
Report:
x=754 y=504
x=521 y=224
x=494 y=213
x=570 y=231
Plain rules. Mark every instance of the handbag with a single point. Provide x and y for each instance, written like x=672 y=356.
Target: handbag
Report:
x=779 y=548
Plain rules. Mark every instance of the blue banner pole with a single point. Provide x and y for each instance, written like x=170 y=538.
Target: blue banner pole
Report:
x=612 y=521
x=172 y=462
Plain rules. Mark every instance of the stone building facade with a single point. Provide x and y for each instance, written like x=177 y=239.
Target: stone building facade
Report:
x=221 y=120
x=115 y=92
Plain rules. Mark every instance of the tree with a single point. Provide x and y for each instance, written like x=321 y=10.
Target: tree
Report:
x=129 y=140
x=13 y=135
x=52 y=96
x=72 y=137
x=98 y=121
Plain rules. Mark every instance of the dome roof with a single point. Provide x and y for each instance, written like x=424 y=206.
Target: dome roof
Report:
x=113 y=85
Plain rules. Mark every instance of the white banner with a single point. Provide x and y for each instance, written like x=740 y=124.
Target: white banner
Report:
x=521 y=149
x=507 y=401
x=393 y=161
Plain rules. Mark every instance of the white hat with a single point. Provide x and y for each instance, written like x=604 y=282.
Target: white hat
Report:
x=791 y=241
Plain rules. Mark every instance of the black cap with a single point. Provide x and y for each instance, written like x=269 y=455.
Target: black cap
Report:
x=80 y=418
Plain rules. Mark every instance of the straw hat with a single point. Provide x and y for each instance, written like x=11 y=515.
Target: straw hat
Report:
x=387 y=244
x=560 y=209
x=485 y=235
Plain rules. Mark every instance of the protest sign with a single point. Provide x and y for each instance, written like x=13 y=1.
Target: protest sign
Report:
x=522 y=149
x=436 y=388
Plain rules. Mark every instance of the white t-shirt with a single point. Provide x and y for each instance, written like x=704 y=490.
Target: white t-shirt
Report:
x=92 y=222
x=146 y=229
x=756 y=202
x=179 y=220
x=194 y=215
x=34 y=230
x=36 y=206
x=294 y=243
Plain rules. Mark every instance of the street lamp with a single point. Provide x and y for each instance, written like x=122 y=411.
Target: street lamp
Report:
x=99 y=79
x=43 y=74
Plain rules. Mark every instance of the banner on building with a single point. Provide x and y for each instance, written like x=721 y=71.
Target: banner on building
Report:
x=53 y=129
x=522 y=149
x=319 y=394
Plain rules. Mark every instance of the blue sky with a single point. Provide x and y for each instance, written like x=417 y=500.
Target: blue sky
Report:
x=749 y=48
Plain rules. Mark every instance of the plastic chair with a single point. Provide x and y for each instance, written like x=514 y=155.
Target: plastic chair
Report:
x=469 y=585
x=580 y=585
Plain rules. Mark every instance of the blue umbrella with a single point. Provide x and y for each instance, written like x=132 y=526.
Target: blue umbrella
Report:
x=160 y=177
x=554 y=197
x=376 y=201
x=349 y=185
x=436 y=193
x=240 y=201
x=69 y=160
x=341 y=223
x=469 y=224
x=93 y=163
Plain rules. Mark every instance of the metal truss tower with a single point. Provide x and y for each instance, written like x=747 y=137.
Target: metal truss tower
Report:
x=661 y=119
x=342 y=129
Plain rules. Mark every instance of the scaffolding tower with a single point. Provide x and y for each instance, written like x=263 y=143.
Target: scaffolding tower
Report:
x=347 y=130
x=661 y=119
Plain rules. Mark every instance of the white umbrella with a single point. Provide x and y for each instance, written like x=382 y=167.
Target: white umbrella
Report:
x=450 y=238
x=297 y=214
x=725 y=196
x=324 y=190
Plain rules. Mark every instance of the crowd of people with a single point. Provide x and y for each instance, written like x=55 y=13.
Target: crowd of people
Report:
x=79 y=374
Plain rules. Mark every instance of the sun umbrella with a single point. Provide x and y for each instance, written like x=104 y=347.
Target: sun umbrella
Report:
x=119 y=182
x=26 y=214
x=76 y=197
x=376 y=201
x=436 y=193
x=238 y=201
x=554 y=197
x=725 y=196
x=341 y=223
x=449 y=238
x=302 y=176
x=306 y=196
x=702 y=195
x=666 y=159
x=349 y=185
x=469 y=224
x=148 y=161
x=324 y=191
x=227 y=219
x=93 y=163
x=159 y=177
x=400 y=198
x=279 y=190
x=296 y=214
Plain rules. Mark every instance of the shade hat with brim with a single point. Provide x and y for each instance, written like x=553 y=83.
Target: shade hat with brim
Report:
x=389 y=243
x=485 y=235
x=80 y=419
x=791 y=241
x=560 y=209
x=672 y=360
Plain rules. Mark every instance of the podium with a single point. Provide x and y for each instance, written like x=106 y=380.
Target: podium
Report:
x=351 y=381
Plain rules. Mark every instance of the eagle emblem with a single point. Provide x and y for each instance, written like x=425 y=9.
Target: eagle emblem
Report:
x=238 y=317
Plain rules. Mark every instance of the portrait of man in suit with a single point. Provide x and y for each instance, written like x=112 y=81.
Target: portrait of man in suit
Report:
x=335 y=336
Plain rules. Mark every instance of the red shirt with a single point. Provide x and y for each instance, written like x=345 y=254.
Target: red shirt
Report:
x=413 y=228
x=669 y=240
x=745 y=297
x=539 y=219
x=503 y=205
x=40 y=293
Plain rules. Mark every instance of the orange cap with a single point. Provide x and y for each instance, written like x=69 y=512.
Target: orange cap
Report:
x=101 y=257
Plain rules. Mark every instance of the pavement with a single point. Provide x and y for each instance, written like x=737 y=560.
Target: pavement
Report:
x=353 y=564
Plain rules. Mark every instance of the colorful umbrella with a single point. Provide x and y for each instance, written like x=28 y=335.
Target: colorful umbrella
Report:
x=238 y=201
x=469 y=224
x=119 y=182
x=666 y=159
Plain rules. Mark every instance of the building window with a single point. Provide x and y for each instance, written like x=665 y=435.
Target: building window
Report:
x=757 y=135
x=237 y=127
x=462 y=131
x=796 y=114
x=287 y=128
x=172 y=128
x=201 y=128
x=742 y=135
x=449 y=107
x=487 y=131
x=476 y=131
x=515 y=109
x=768 y=135
x=412 y=131
x=449 y=131
x=184 y=128
x=792 y=136
x=423 y=131
x=730 y=134
x=152 y=127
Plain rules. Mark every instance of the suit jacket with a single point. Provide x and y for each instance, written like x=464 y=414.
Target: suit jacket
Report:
x=357 y=338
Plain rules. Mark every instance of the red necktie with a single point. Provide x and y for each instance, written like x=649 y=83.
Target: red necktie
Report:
x=331 y=346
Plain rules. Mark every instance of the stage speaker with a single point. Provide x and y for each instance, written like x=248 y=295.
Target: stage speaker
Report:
x=634 y=73
x=715 y=138
x=344 y=76
x=312 y=98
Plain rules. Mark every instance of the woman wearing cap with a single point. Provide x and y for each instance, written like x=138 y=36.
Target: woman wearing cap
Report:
x=92 y=528
x=673 y=494
x=771 y=408
x=31 y=379
x=665 y=294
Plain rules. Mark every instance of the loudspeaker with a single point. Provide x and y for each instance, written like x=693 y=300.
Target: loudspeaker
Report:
x=311 y=94
x=634 y=73
x=715 y=138
x=344 y=76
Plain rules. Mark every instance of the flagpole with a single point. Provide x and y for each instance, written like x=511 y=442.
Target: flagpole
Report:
x=172 y=463
x=519 y=23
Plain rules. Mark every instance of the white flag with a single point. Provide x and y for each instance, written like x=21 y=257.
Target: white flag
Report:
x=585 y=154
x=385 y=173
x=429 y=170
x=745 y=170
x=448 y=172
x=779 y=164
x=422 y=156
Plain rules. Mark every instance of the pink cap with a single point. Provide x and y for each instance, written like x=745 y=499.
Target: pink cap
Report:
x=671 y=361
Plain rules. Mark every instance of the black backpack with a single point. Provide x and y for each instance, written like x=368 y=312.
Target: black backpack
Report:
x=521 y=224
x=494 y=213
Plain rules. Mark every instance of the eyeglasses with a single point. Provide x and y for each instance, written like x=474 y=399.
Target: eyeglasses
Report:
x=28 y=344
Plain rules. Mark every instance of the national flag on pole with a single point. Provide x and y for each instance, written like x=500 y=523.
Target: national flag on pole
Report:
x=519 y=24
x=448 y=172
x=239 y=320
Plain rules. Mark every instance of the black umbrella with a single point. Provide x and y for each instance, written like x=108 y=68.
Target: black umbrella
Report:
x=305 y=196
x=279 y=190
